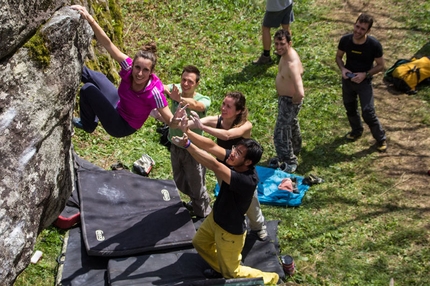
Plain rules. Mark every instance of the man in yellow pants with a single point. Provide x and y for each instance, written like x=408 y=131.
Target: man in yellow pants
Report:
x=221 y=236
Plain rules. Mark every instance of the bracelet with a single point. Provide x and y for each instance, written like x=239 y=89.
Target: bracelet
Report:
x=188 y=144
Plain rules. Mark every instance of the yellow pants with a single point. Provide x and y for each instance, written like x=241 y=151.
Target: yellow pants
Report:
x=222 y=251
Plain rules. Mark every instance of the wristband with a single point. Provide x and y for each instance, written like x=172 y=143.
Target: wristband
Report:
x=188 y=144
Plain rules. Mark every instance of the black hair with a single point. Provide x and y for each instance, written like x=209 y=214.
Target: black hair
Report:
x=192 y=69
x=365 y=18
x=254 y=151
x=280 y=34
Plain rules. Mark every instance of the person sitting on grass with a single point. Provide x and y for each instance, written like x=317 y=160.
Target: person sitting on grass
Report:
x=221 y=237
x=124 y=110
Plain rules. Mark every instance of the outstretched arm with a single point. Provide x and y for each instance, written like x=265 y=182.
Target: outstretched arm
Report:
x=101 y=36
x=173 y=120
x=242 y=131
x=205 y=158
x=206 y=144
x=202 y=142
x=177 y=96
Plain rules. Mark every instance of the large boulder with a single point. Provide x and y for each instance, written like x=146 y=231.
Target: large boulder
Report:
x=21 y=19
x=38 y=84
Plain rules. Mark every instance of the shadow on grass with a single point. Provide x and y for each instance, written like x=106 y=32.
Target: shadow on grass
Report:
x=424 y=51
x=326 y=155
x=249 y=73
x=409 y=238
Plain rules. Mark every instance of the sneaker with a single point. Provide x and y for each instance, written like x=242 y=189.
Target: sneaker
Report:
x=262 y=233
x=118 y=166
x=190 y=209
x=352 y=137
x=288 y=168
x=382 y=146
x=211 y=274
x=274 y=163
x=263 y=60
x=189 y=206
x=312 y=180
x=77 y=122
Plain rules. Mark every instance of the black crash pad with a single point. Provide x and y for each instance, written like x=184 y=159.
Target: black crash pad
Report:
x=123 y=213
x=185 y=267
x=163 y=267
x=76 y=267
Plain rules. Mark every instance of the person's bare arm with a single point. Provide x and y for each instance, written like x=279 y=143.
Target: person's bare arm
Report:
x=379 y=67
x=296 y=77
x=101 y=36
x=363 y=75
x=166 y=90
x=207 y=120
x=193 y=104
x=236 y=132
x=203 y=156
x=206 y=144
x=241 y=131
x=341 y=64
x=173 y=120
x=202 y=142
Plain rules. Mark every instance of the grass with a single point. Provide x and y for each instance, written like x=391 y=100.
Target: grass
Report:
x=355 y=229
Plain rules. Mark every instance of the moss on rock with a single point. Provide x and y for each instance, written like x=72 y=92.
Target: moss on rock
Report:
x=38 y=50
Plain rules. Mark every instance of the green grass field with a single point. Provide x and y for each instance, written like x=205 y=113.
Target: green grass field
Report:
x=354 y=229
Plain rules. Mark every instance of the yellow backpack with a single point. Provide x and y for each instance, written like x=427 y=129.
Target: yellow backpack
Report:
x=407 y=74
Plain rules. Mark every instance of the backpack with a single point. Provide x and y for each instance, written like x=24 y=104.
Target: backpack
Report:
x=405 y=75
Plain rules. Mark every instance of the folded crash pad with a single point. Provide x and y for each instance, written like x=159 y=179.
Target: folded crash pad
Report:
x=123 y=213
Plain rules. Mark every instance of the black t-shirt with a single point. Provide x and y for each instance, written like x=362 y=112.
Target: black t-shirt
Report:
x=226 y=144
x=234 y=200
x=360 y=58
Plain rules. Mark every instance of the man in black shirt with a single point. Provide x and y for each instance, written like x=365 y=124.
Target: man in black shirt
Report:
x=221 y=236
x=361 y=51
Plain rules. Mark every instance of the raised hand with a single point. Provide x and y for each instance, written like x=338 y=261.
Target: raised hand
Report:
x=84 y=13
x=180 y=141
x=196 y=119
x=174 y=94
x=184 y=124
x=177 y=117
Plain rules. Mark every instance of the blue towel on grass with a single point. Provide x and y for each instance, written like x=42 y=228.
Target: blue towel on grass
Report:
x=268 y=192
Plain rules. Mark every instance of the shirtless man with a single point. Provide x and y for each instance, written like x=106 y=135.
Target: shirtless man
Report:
x=289 y=85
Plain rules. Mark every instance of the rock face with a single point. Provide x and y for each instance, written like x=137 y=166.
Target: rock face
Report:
x=37 y=98
x=20 y=20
